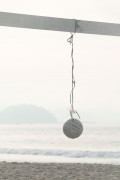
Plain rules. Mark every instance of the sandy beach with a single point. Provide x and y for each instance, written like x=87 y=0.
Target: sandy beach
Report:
x=58 y=171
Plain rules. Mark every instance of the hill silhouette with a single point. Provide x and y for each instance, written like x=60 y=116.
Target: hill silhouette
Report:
x=26 y=114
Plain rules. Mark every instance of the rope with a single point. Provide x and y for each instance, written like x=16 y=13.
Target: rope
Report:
x=72 y=111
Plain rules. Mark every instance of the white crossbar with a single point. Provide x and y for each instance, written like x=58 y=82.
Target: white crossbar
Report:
x=58 y=24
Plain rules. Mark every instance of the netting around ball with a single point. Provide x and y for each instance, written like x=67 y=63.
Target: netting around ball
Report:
x=72 y=128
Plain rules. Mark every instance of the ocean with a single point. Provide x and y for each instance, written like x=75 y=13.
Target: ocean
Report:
x=47 y=143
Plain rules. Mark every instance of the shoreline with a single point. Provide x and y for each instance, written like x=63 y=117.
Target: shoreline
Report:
x=21 y=158
x=58 y=171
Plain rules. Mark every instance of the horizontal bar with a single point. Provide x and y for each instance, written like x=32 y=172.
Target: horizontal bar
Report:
x=100 y=28
x=36 y=22
x=58 y=24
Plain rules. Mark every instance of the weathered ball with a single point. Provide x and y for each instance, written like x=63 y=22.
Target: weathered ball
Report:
x=73 y=128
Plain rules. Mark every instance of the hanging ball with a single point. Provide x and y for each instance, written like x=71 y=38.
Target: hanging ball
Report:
x=73 y=128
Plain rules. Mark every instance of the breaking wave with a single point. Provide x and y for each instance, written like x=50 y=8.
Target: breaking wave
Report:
x=62 y=153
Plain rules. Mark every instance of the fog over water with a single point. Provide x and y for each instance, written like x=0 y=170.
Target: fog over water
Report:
x=35 y=66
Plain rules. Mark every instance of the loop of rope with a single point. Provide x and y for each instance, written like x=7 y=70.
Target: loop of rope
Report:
x=72 y=111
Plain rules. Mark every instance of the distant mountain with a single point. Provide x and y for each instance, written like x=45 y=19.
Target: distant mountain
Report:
x=26 y=114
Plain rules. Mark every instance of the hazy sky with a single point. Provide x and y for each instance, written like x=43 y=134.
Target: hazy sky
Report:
x=35 y=66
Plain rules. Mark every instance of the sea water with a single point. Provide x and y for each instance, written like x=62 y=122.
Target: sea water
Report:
x=47 y=143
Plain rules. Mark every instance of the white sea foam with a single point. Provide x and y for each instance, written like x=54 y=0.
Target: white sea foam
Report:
x=49 y=142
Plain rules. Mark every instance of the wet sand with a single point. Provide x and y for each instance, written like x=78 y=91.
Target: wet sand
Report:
x=58 y=171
